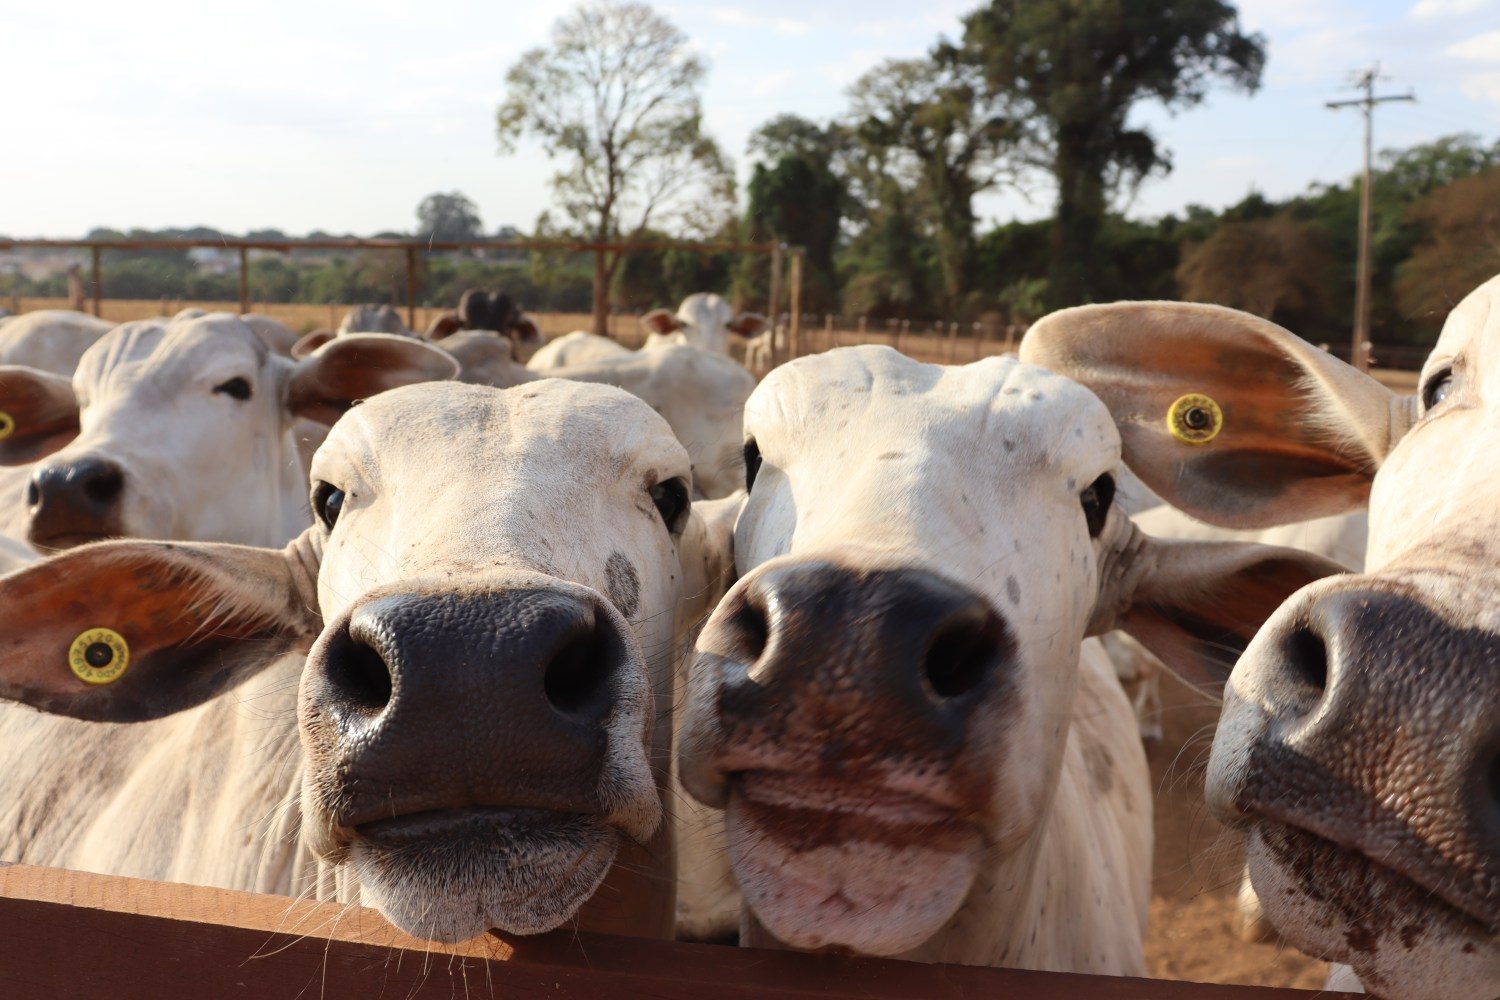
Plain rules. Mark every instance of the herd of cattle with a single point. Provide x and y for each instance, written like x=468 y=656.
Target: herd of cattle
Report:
x=491 y=633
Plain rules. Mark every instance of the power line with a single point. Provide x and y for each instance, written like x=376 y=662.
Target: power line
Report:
x=1359 y=350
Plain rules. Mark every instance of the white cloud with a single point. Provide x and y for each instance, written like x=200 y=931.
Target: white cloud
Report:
x=1482 y=87
x=1429 y=9
x=791 y=27
x=771 y=83
x=1480 y=48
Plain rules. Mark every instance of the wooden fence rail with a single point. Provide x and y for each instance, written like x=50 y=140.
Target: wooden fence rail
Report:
x=70 y=934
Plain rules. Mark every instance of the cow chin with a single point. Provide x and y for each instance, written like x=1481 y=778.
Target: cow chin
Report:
x=450 y=877
x=1339 y=905
x=878 y=880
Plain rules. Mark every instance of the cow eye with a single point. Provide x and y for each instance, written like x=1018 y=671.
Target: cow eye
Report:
x=671 y=499
x=1096 y=500
x=239 y=388
x=752 y=463
x=327 y=502
x=1437 y=388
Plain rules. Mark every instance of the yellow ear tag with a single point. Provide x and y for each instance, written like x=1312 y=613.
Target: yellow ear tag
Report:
x=1195 y=419
x=7 y=425
x=99 y=656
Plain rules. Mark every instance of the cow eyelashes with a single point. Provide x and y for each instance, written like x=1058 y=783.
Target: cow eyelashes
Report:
x=1436 y=390
x=752 y=463
x=239 y=388
x=671 y=499
x=1096 y=500
x=327 y=502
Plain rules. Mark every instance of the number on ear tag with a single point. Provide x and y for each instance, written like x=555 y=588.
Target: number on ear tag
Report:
x=99 y=656
x=1195 y=419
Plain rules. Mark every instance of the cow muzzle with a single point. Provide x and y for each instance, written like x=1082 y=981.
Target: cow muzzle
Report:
x=831 y=713
x=478 y=755
x=74 y=501
x=1360 y=745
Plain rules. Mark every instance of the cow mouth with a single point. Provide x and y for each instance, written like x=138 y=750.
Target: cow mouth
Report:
x=843 y=865
x=1362 y=900
x=452 y=874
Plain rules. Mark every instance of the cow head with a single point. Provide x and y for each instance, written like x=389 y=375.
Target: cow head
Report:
x=1360 y=740
x=883 y=700
x=184 y=430
x=485 y=710
x=702 y=320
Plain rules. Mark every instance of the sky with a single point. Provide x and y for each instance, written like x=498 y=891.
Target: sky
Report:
x=341 y=116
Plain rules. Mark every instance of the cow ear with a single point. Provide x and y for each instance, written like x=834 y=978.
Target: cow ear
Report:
x=1227 y=416
x=129 y=631
x=38 y=414
x=443 y=327
x=1197 y=605
x=748 y=324
x=661 y=321
x=311 y=342
x=706 y=551
x=525 y=331
x=347 y=369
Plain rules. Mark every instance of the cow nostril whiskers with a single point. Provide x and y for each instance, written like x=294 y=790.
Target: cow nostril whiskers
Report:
x=752 y=631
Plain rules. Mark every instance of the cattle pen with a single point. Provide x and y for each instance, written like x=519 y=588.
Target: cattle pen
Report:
x=786 y=260
x=74 y=934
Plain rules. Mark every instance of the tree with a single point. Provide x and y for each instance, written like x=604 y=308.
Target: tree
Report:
x=1460 y=251
x=450 y=216
x=1079 y=67
x=796 y=197
x=1278 y=268
x=948 y=138
x=616 y=98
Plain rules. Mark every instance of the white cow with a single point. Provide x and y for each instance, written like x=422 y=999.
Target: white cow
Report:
x=575 y=348
x=701 y=394
x=480 y=732
x=373 y=319
x=917 y=757
x=1358 y=743
x=182 y=431
x=50 y=340
x=703 y=320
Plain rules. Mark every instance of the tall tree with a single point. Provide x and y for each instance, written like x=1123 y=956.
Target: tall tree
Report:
x=1277 y=267
x=1079 y=67
x=615 y=96
x=795 y=196
x=949 y=136
x=1460 y=249
x=450 y=216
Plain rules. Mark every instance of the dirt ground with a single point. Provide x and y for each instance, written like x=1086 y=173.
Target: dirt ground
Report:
x=1197 y=868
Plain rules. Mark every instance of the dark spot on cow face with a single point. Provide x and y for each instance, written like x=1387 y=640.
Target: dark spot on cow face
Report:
x=1013 y=590
x=889 y=455
x=622 y=584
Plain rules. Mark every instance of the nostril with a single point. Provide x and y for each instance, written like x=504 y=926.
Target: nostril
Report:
x=359 y=674
x=577 y=680
x=33 y=493
x=104 y=486
x=1308 y=655
x=752 y=631
x=961 y=656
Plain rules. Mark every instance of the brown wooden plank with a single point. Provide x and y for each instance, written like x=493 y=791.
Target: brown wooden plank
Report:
x=73 y=934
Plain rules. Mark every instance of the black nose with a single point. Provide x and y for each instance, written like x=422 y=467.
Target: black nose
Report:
x=490 y=699
x=1383 y=732
x=903 y=645
x=75 y=500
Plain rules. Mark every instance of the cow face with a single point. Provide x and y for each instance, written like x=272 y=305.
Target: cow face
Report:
x=183 y=430
x=1360 y=739
x=883 y=699
x=702 y=320
x=485 y=709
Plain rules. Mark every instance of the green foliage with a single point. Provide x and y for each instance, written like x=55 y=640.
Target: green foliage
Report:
x=449 y=216
x=1078 y=68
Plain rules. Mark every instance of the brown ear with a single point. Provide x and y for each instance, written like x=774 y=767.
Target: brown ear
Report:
x=159 y=627
x=748 y=324
x=357 y=366
x=444 y=326
x=661 y=321
x=1197 y=605
x=38 y=414
x=1298 y=433
x=311 y=342
x=526 y=331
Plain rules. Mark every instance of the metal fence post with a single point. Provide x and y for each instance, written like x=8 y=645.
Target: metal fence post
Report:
x=794 y=335
x=97 y=282
x=411 y=288
x=244 y=280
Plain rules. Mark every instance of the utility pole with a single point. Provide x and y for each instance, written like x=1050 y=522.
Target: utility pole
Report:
x=1358 y=354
